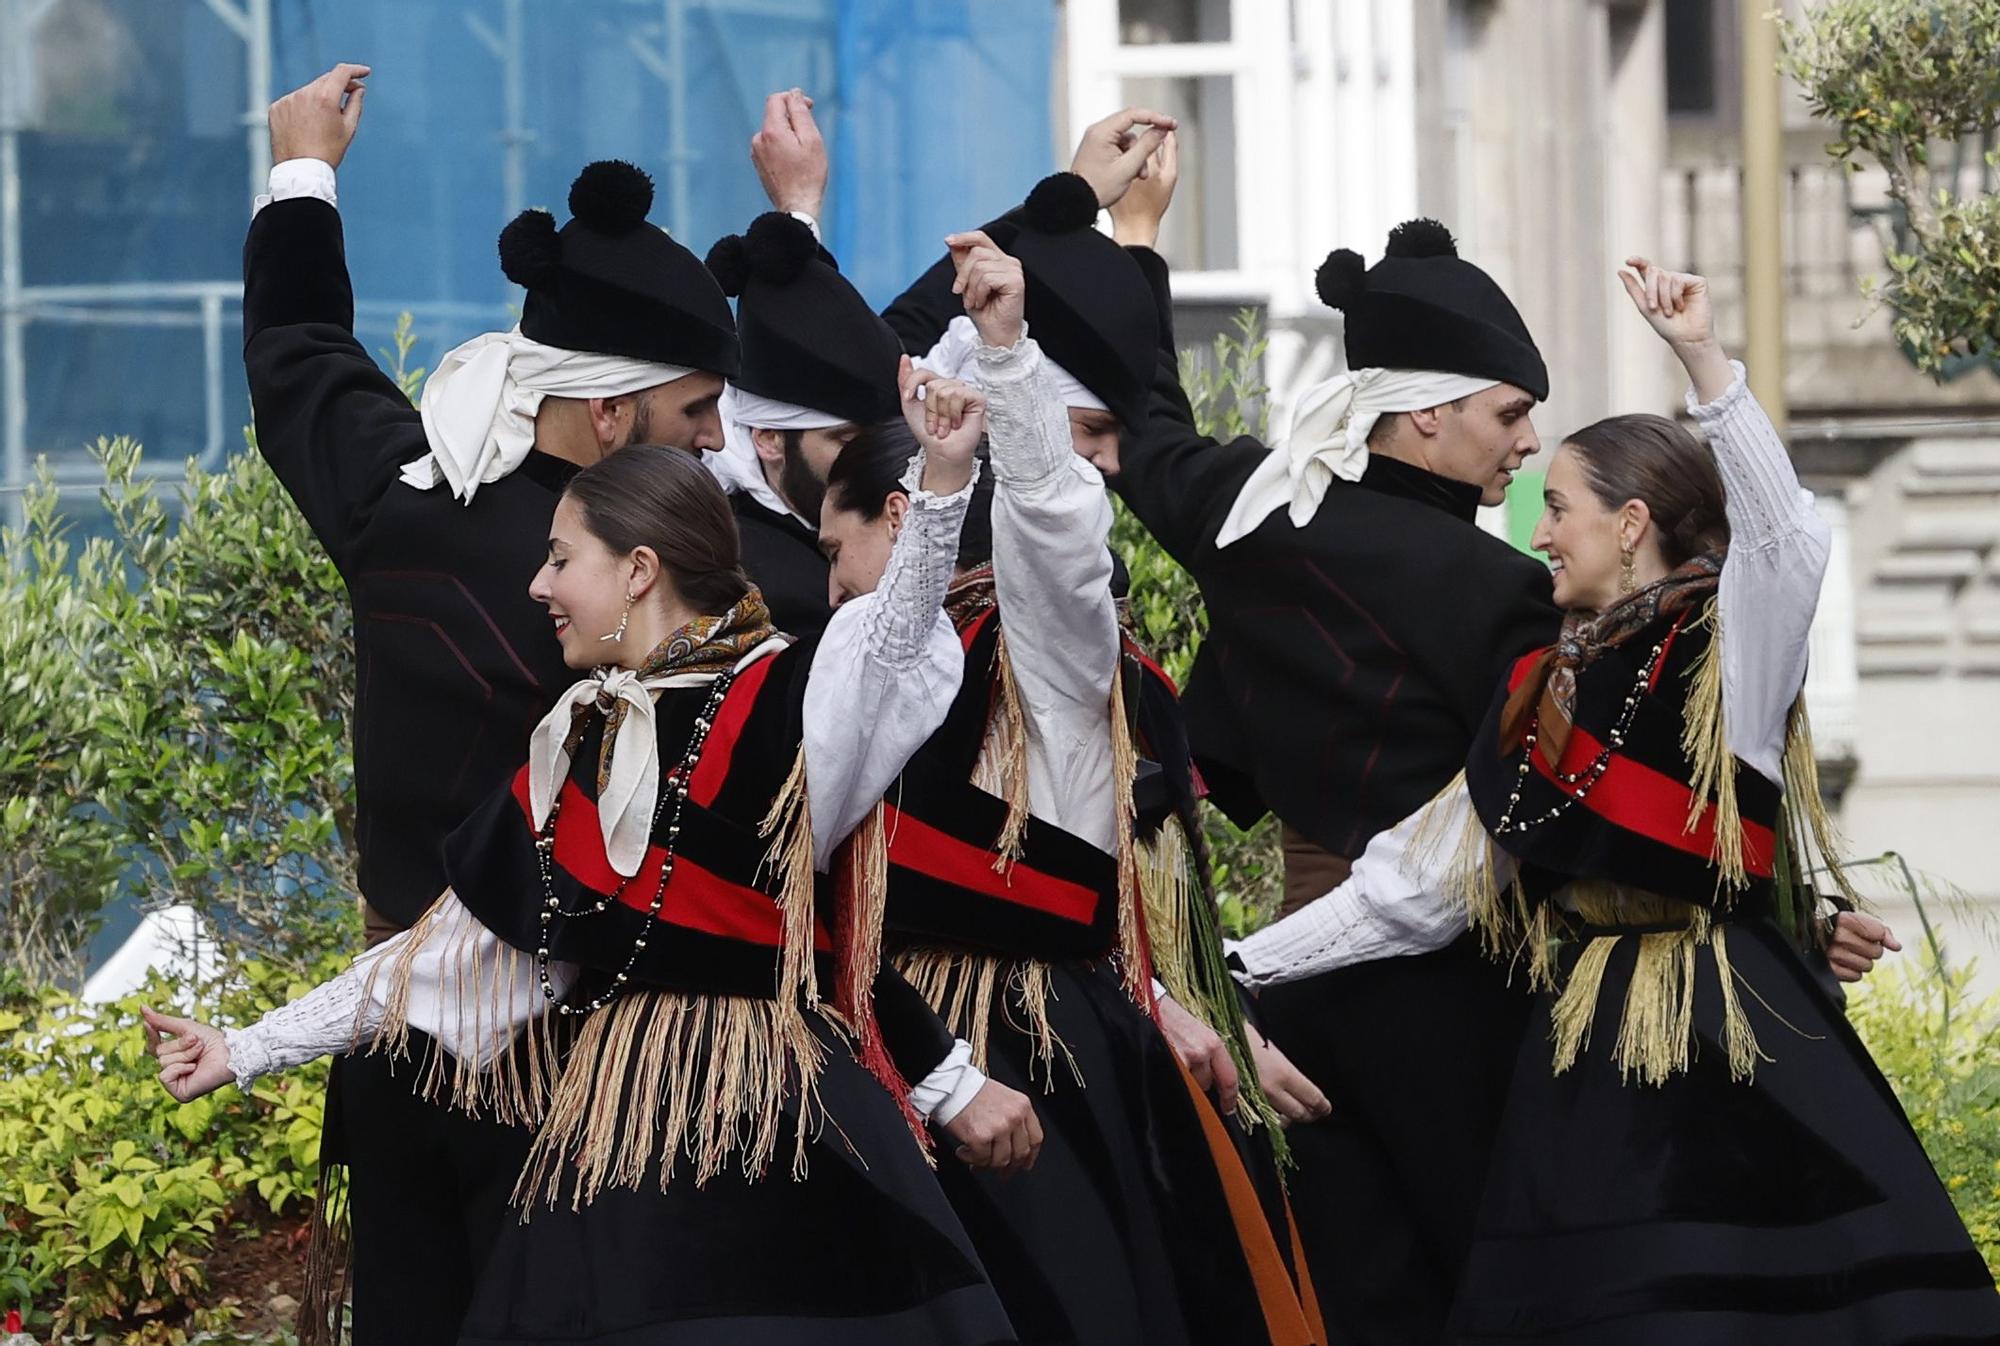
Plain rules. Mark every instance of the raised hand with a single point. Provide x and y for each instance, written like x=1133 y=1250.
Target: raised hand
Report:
x=193 y=1057
x=789 y=154
x=992 y=285
x=948 y=418
x=1136 y=216
x=1115 y=151
x=1676 y=305
x=997 y=1130
x=318 y=120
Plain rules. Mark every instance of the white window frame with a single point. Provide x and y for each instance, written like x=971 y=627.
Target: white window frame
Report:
x=1326 y=128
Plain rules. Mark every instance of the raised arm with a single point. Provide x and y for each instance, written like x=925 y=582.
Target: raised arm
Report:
x=1779 y=546
x=332 y=425
x=1051 y=564
x=888 y=666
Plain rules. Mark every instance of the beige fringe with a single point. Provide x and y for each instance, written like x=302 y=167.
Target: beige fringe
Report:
x=789 y=828
x=1003 y=761
x=1511 y=930
x=1656 y=1033
x=514 y=1087
x=656 y=1075
x=961 y=987
x=868 y=897
x=1804 y=806
x=1169 y=892
x=1134 y=958
x=1705 y=741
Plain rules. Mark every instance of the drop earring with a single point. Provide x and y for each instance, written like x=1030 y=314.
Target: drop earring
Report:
x=624 y=620
x=1627 y=580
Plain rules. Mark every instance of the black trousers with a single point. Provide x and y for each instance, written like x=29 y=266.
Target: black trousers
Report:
x=428 y=1189
x=1415 y=1055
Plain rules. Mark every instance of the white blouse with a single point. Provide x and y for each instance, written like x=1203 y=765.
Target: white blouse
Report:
x=885 y=673
x=1393 y=902
x=1052 y=576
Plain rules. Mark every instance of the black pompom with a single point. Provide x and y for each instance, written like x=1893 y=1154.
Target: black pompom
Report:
x=778 y=247
x=1420 y=238
x=529 y=248
x=1062 y=203
x=1340 y=278
x=611 y=196
x=725 y=261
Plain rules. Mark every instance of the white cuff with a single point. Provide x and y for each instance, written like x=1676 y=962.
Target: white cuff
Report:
x=944 y=1093
x=805 y=217
x=292 y=178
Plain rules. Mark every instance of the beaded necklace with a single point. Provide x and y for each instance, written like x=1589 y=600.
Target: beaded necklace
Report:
x=674 y=790
x=1589 y=776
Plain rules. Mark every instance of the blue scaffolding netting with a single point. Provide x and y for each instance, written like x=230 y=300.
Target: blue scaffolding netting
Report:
x=131 y=138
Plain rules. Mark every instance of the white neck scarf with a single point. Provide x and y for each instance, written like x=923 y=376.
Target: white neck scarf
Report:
x=1328 y=438
x=737 y=468
x=956 y=357
x=479 y=404
x=625 y=805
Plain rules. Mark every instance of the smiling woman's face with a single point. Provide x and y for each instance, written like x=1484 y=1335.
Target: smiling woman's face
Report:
x=583 y=586
x=1579 y=535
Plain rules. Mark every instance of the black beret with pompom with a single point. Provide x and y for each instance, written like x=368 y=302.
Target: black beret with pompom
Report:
x=1420 y=238
x=1060 y=203
x=1340 y=278
x=530 y=251
x=611 y=196
x=726 y=262
x=778 y=246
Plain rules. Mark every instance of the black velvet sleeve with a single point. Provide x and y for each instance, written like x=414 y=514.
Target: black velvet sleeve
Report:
x=916 y=1037
x=332 y=425
x=1179 y=482
x=1155 y=268
x=919 y=315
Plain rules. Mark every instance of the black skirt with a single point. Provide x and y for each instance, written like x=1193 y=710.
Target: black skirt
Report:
x=863 y=1251
x=1796 y=1209
x=1121 y=1234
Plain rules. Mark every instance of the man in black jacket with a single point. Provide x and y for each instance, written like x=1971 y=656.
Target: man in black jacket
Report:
x=1359 y=619
x=437 y=521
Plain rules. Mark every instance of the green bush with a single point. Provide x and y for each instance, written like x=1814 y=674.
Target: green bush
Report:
x=112 y=1195
x=1226 y=389
x=1935 y=1045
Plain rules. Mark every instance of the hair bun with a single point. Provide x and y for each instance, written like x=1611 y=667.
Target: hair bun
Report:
x=726 y=262
x=778 y=246
x=1340 y=278
x=1062 y=203
x=530 y=250
x=1420 y=238
x=611 y=196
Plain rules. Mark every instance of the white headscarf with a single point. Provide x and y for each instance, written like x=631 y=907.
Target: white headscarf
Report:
x=956 y=357
x=1328 y=438
x=479 y=404
x=737 y=468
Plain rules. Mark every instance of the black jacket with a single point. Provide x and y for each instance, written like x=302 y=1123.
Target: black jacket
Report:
x=782 y=558
x=454 y=663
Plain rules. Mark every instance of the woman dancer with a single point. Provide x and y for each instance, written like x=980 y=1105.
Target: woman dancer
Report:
x=1697 y=1146
x=642 y=957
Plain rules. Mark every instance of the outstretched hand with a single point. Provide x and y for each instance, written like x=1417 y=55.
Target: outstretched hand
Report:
x=992 y=285
x=790 y=155
x=948 y=418
x=1114 y=152
x=1136 y=216
x=318 y=120
x=193 y=1057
